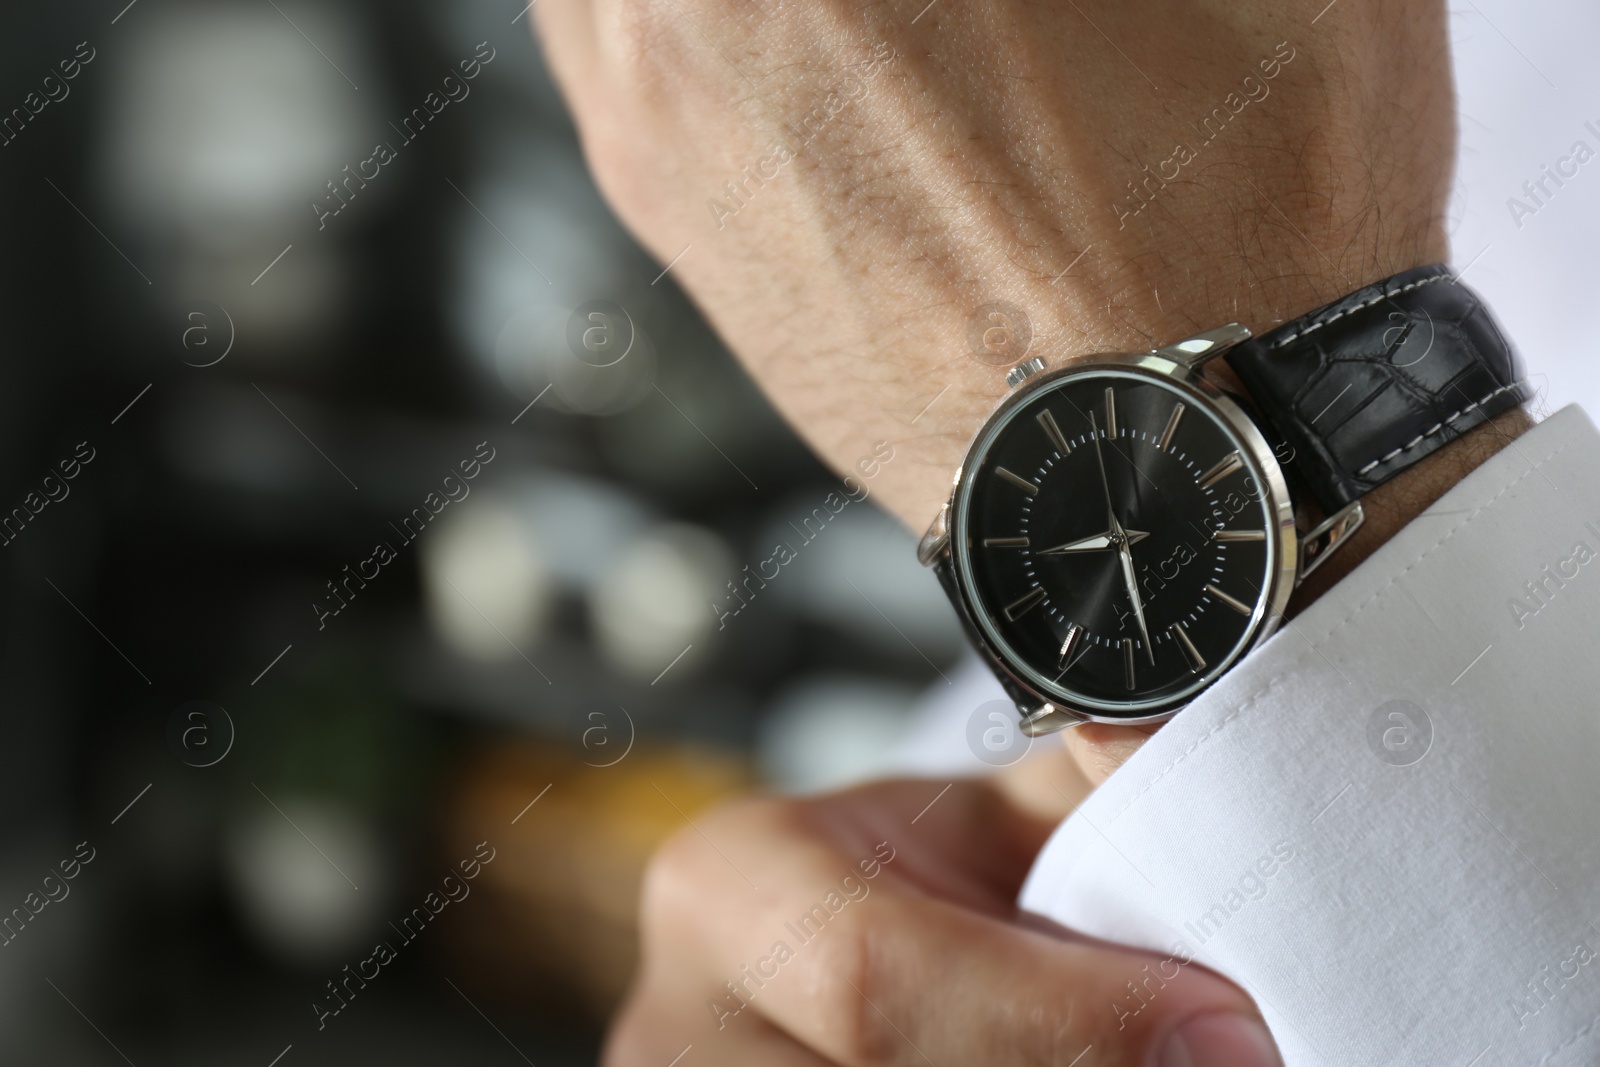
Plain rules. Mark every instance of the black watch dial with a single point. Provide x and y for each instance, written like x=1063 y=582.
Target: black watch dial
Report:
x=1117 y=541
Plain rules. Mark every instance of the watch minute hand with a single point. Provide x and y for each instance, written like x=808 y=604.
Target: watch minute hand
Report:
x=1133 y=594
x=1105 y=483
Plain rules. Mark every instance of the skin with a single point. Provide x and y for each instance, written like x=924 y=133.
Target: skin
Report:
x=926 y=958
x=971 y=153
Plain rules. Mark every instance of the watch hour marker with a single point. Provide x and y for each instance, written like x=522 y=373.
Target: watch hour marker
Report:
x=1196 y=660
x=1005 y=542
x=1225 y=466
x=1237 y=605
x=1172 y=427
x=1018 y=480
x=1070 y=645
x=1129 y=668
x=1025 y=603
x=1111 y=413
x=1228 y=536
x=1048 y=422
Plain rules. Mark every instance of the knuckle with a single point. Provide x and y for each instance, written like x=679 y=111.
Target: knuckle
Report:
x=686 y=876
x=852 y=985
x=1060 y=1030
x=675 y=884
x=617 y=149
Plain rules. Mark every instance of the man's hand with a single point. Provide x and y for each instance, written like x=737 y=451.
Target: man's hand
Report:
x=857 y=180
x=878 y=926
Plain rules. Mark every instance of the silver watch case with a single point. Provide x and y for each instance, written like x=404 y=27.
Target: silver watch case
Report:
x=1179 y=366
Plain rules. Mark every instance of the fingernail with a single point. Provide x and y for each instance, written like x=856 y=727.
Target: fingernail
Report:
x=1220 y=1040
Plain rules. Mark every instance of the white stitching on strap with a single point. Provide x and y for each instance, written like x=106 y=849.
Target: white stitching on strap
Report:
x=1352 y=310
x=1436 y=427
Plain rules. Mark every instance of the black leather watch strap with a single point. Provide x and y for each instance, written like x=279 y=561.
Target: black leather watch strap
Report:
x=1365 y=387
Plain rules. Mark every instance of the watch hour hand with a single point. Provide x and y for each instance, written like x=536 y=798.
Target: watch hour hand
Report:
x=1092 y=544
x=1083 y=544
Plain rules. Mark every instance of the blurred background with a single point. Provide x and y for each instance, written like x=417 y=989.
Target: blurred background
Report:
x=369 y=517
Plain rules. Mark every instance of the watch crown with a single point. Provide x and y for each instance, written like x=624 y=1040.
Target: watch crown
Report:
x=1023 y=371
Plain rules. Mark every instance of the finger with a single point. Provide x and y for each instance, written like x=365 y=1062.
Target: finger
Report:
x=1100 y=748
x=662 y=1025
x=913 y=980
x=967 y=842
x=882 y=972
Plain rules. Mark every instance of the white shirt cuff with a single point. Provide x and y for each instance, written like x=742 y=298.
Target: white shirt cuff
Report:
x=1385 y=823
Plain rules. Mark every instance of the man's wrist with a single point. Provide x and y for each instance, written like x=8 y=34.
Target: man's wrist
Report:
x=1102 y=312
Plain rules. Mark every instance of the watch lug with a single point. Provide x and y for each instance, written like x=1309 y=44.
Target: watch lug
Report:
x=1328 y=537
x=1204 y=347
x=935 y=544
x=1048 y=719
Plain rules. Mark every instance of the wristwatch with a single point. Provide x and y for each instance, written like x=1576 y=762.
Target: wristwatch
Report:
x=1124 y=529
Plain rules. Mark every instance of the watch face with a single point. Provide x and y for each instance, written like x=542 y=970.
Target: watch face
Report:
x=1118 y=541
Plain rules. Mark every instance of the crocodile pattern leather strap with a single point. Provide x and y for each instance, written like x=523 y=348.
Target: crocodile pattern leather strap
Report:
x=1365 y=387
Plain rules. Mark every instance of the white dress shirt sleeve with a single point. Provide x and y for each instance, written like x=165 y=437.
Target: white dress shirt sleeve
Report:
x=1385 y=823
